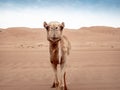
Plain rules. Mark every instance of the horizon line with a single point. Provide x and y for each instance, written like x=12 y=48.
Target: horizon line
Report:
x=64 y=28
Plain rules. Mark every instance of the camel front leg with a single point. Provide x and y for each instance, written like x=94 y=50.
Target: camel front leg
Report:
x=56 y=82
x=63 y=85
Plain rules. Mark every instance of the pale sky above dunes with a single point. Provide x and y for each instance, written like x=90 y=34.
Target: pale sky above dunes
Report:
x=75 y=13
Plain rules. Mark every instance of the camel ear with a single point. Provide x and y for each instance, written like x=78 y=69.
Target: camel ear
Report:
x=62 y=25
x=45 y=25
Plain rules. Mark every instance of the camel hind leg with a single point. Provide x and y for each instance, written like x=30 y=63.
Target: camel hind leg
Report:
x=65 y=85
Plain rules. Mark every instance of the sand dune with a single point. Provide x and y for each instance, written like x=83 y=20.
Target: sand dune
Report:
x=93 y=64
x=86 y=37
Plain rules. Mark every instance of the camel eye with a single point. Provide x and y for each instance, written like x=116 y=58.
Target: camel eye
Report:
x=56 y=28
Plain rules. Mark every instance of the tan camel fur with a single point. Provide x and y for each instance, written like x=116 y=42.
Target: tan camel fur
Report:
x=59 y=48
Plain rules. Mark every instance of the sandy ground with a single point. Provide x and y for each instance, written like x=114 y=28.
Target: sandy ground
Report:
x=94 y=62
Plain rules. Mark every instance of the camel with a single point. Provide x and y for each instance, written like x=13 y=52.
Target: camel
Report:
x=59 y=48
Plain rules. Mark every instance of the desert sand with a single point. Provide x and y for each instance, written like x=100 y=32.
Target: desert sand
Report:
x=93 y=64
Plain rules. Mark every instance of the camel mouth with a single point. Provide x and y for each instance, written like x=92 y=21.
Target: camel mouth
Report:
x=54 y=39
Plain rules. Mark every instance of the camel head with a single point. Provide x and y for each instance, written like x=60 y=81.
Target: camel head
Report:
x=54 y=31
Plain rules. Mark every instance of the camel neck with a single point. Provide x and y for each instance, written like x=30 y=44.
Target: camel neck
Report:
x=55 y=51
x=54 y=45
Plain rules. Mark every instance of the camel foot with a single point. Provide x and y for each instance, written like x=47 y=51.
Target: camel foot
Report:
x=55 y=85
x=63 y=88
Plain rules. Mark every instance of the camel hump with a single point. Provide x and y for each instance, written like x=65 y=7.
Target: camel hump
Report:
x=66 y=44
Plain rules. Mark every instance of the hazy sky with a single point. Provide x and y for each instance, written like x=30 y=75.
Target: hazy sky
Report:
x=75 y=13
